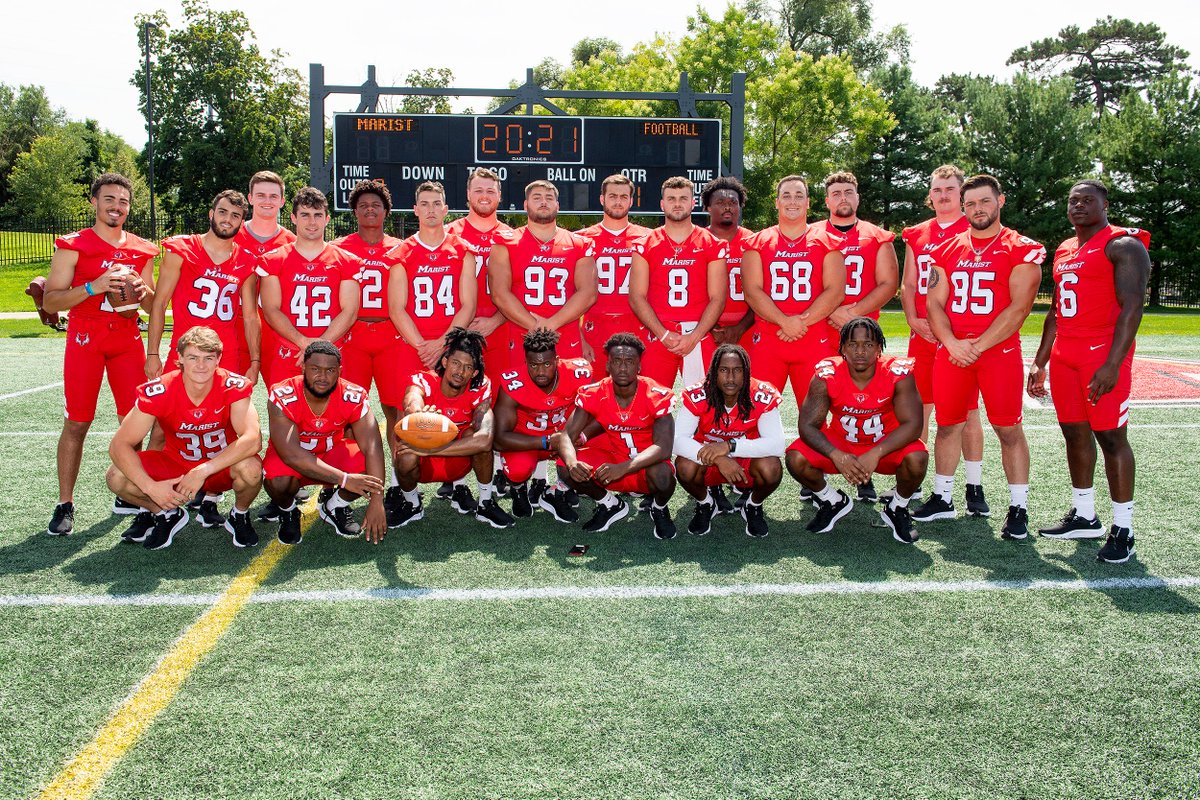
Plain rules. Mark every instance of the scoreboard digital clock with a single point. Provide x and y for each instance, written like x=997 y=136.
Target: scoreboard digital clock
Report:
x=574 y=153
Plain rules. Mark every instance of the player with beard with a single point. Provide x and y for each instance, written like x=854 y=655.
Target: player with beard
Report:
x=309 y=415
x=100 y=341
x=1100 y=279
x=981 y=289
x=260 y=234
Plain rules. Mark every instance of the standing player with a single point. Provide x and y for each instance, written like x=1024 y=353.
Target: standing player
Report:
x=677 y=289
x=1100 y=279
x=308 y=290
x=945 y=198
x=981 y=288
x=724 y=198
x=261 y=234
x=84 y=267
x=309 y=415
x=458 y=388
x=533 y=405
x=872 y=275
x=634 y=452
x=794 y=278
x=212 y=443
x=613 y=239
x=729 y=431
x=874 y=427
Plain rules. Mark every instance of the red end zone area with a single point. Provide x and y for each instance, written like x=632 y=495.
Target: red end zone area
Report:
x=1159 y=380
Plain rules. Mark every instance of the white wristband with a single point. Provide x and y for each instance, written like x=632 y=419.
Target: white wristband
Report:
x=345 y=475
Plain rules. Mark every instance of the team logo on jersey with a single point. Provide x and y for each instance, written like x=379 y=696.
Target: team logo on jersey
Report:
x=862 y=398
x=319 y=423
x=118 y=254
x=82 y=339
x=588 y=326
x=198 y=413
x=756 y=338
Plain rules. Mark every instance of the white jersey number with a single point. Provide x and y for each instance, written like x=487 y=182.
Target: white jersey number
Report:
x=854 y=274
x=202 y=448
x=606 y=274
x=1068 y=301
x=677 y=288
x=870 y=429
x=536 y=291
x=972 y=292
x=427 y=297
x=310 y=306
x=215 y=300
x=372 y=288
x=791 y=281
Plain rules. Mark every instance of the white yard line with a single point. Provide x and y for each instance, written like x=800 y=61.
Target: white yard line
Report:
x=11 y=395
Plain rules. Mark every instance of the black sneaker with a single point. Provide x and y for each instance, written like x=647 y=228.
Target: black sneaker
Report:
x=195 y=503
x=406 y=512
x=867 y=494
x=559 y=507
x=242 y=529
x=302 y=495
x=739 y=499
x=537 y=488
x=165 y=528
x=572 y=497
x=502 y=484
x=289 y=526
x=605 y=516
x=806 y=495
x=664 y=526
x=720 y=500
x=342 y=519
x=445 y=490
x=934 y=508
x=392 y=498
x=829 y=513
x=976 y=505
x=124 y=508
x=62 y=521
x=1119 y=546
x=900 y=521
x=701 y=522
x=208 y=515
x=270 y=513
x=323 y=495
x=645 y=503
x=1074 y=526
x=756 y=520
x=1016 y=524
x=139 y=529
x=521 y=506
x=489 y=511
x=461 y=499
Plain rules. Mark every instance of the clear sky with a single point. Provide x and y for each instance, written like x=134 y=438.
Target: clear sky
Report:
x=84 y=53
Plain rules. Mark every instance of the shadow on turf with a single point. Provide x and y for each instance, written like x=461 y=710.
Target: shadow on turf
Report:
x=40 y=552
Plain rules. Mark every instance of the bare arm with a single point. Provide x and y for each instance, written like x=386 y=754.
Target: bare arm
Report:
x=479 y=440
x=909 y=289
x=812 y=418
x=468 y=288
x=168 y=278
x=271 y=295
x=349 y=297
x=583 y=298
x=1131 y=271
x=563 y=442
x=718 y=292
x=250 y=324
x=398 y=307
x=753 y=281
x=1022 y=286
x=639 y=302
x=833 y=288
x=887 y=280
x=507 y=439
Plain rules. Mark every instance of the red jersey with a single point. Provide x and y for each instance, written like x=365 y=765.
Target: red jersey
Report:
x=460 y=409
x=736 y=305
x=860 y=247
x=195 y=432
x=480 y=243
x=861 y=417
x=96 y=257
x=435 y=275
x=1085 y=293
x=247 y=240
x=679 y=272
x=979 y=276
x=541 y=413
x=320 y=433
x=614 y=255
x=763 y=398
x=923 y=239
x=373 y=276
x=626 y=430
x=309 y=289
x=793 y=269
x=207 y=293
x=543 y=273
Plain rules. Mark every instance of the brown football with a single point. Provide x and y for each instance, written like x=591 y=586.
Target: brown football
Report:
x=426 y=430
x=122 y=296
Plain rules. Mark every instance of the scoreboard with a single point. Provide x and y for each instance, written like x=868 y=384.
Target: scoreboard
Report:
x=574 y=153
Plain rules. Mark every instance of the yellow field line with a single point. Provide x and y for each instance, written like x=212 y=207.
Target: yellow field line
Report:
x=83 y=774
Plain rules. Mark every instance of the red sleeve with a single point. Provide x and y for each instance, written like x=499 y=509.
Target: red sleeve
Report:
x=694 y=399
x=908 y=233
x=1027 y=251
x=586 y=399
x=177 y=245
x=152 y=398
x=349 y=267
x=237 y=388
x=662 y=401
x=1141 y=234
x=772 y=395
x=826 y=369
x=267 y=266
x=485 y=393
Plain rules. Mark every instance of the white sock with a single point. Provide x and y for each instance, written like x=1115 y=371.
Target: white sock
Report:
x=1018 y=494
x=166 y=512
x=497 y=462
x=655 y=504
x=1084 y=501
x=609 y=500
x=413 y=497
x=943 y=485
x=241 y=512
x=392 y=472
x=974 y=470
x=1123 y=515
x=216 y=498
x=898 y=501
x=485 y=491
x=827 y=495
x=542 y=470
x=336 y=501
x=707 y=501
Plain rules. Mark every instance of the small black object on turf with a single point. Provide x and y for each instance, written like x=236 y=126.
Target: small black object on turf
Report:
x=701 y=522
x=1016 y=524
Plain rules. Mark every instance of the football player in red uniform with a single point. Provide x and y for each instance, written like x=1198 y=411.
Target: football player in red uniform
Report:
x=677 y=289
x=862 y=416
x=307 y=289
x=794 y=277
x=729 y=431
x=212 y=443
x=457 y=388
x=1100 y=278
x=981 y=288
x=260 y=234
x=84 y=267
x=533 y=405
x=613 y=238
x=945 y=198
x=309 y=414
x=633 y=453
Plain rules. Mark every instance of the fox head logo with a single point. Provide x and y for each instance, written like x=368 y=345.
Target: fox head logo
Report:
x=82 y=339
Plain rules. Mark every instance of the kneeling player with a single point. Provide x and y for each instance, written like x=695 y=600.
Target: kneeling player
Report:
x=309 y=415
x=212 y=443
x=634 y=454
x=459 y=389
x=875 y=428
x=729 y=431
x=532 y=405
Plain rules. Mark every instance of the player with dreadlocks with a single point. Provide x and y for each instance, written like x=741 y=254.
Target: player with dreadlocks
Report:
x=458 y=388
x=875 y=427
x=729 y=431
x=533 y=402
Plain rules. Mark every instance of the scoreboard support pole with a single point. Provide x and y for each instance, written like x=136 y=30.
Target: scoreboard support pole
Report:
x=529 y=94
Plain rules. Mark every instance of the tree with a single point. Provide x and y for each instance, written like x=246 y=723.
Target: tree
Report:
x=587 y=49
x=1106 y=61
x=43 y=184
x=428 y=78
x=223 y=108
x=25 y=114
x=837 y=28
